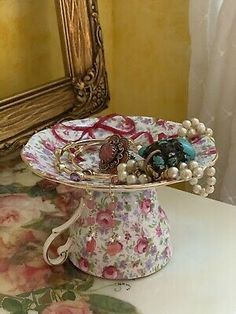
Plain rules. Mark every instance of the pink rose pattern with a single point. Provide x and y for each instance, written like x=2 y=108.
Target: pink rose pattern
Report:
x=124 y=237
x=91 y=245
x=83 y=264
x=22 y=233
x=145 y=206
x=19 y=209
x=105 y=219
x=110 y=272
x=114 y=248
x=142 y=232
x=22 y=267
x=39 y=151
x=68 y=307
x=133 y=226
x=24 y=219
x=141 y=246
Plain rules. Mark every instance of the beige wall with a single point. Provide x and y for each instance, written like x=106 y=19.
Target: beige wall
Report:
x=30 y=52
x=148 y=56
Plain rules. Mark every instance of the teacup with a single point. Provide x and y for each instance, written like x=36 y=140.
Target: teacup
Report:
x=124 y=235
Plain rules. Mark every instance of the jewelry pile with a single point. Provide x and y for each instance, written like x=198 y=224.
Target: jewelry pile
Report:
x=122 y=161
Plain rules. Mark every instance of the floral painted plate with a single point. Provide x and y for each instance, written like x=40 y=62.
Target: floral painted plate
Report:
x=38 y=153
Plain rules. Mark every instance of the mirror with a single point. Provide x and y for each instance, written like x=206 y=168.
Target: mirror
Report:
x=30 y=45
x=52 y=66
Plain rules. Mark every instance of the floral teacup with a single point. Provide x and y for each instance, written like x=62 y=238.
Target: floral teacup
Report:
x=120 y=236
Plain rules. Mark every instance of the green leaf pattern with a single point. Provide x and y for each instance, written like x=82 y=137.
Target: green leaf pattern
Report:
x=61 y=297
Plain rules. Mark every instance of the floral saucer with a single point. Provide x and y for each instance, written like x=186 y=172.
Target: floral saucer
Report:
x=38 y=153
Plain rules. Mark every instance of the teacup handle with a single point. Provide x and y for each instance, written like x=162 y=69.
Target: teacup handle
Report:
x=63 y=250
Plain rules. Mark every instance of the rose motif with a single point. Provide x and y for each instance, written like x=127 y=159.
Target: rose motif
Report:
x=30 y=272
x=49 y=145
x=161 y=213
x=83 y=264
x=28 y=276
x=158 y=231
x=91 y=246
x=110 y=272
x=68 y=307
x=145 y=206
x=168 y=252
x=9 y=216
x=105 y=219
x=142 y=245
x=19 y=209
x=114 y=248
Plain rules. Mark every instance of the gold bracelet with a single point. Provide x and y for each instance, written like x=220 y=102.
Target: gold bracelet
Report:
x=75 y=149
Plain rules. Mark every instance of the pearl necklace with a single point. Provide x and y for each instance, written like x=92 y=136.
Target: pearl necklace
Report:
x=191 y=171
x=132 y=171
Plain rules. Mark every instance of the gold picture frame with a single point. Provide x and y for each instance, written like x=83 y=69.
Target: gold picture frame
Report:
x=81 y=93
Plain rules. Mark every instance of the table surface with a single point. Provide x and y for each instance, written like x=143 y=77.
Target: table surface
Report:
x=200 y=278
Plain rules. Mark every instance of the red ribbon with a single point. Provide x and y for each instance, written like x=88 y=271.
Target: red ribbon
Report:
x=148 y=135
x=100 y=124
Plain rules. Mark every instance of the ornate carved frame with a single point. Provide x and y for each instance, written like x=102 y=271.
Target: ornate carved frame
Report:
x=84 y=90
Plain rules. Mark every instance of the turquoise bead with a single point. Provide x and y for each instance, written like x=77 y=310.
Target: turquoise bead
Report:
x=188 y=149
x=158 y=161
x=142 y=151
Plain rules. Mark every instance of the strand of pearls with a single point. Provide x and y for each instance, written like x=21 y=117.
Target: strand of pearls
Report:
x=192 y=128
x=132 y=172
x=192 y=172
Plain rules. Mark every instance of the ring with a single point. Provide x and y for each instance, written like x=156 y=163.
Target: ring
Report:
x=114 y=150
